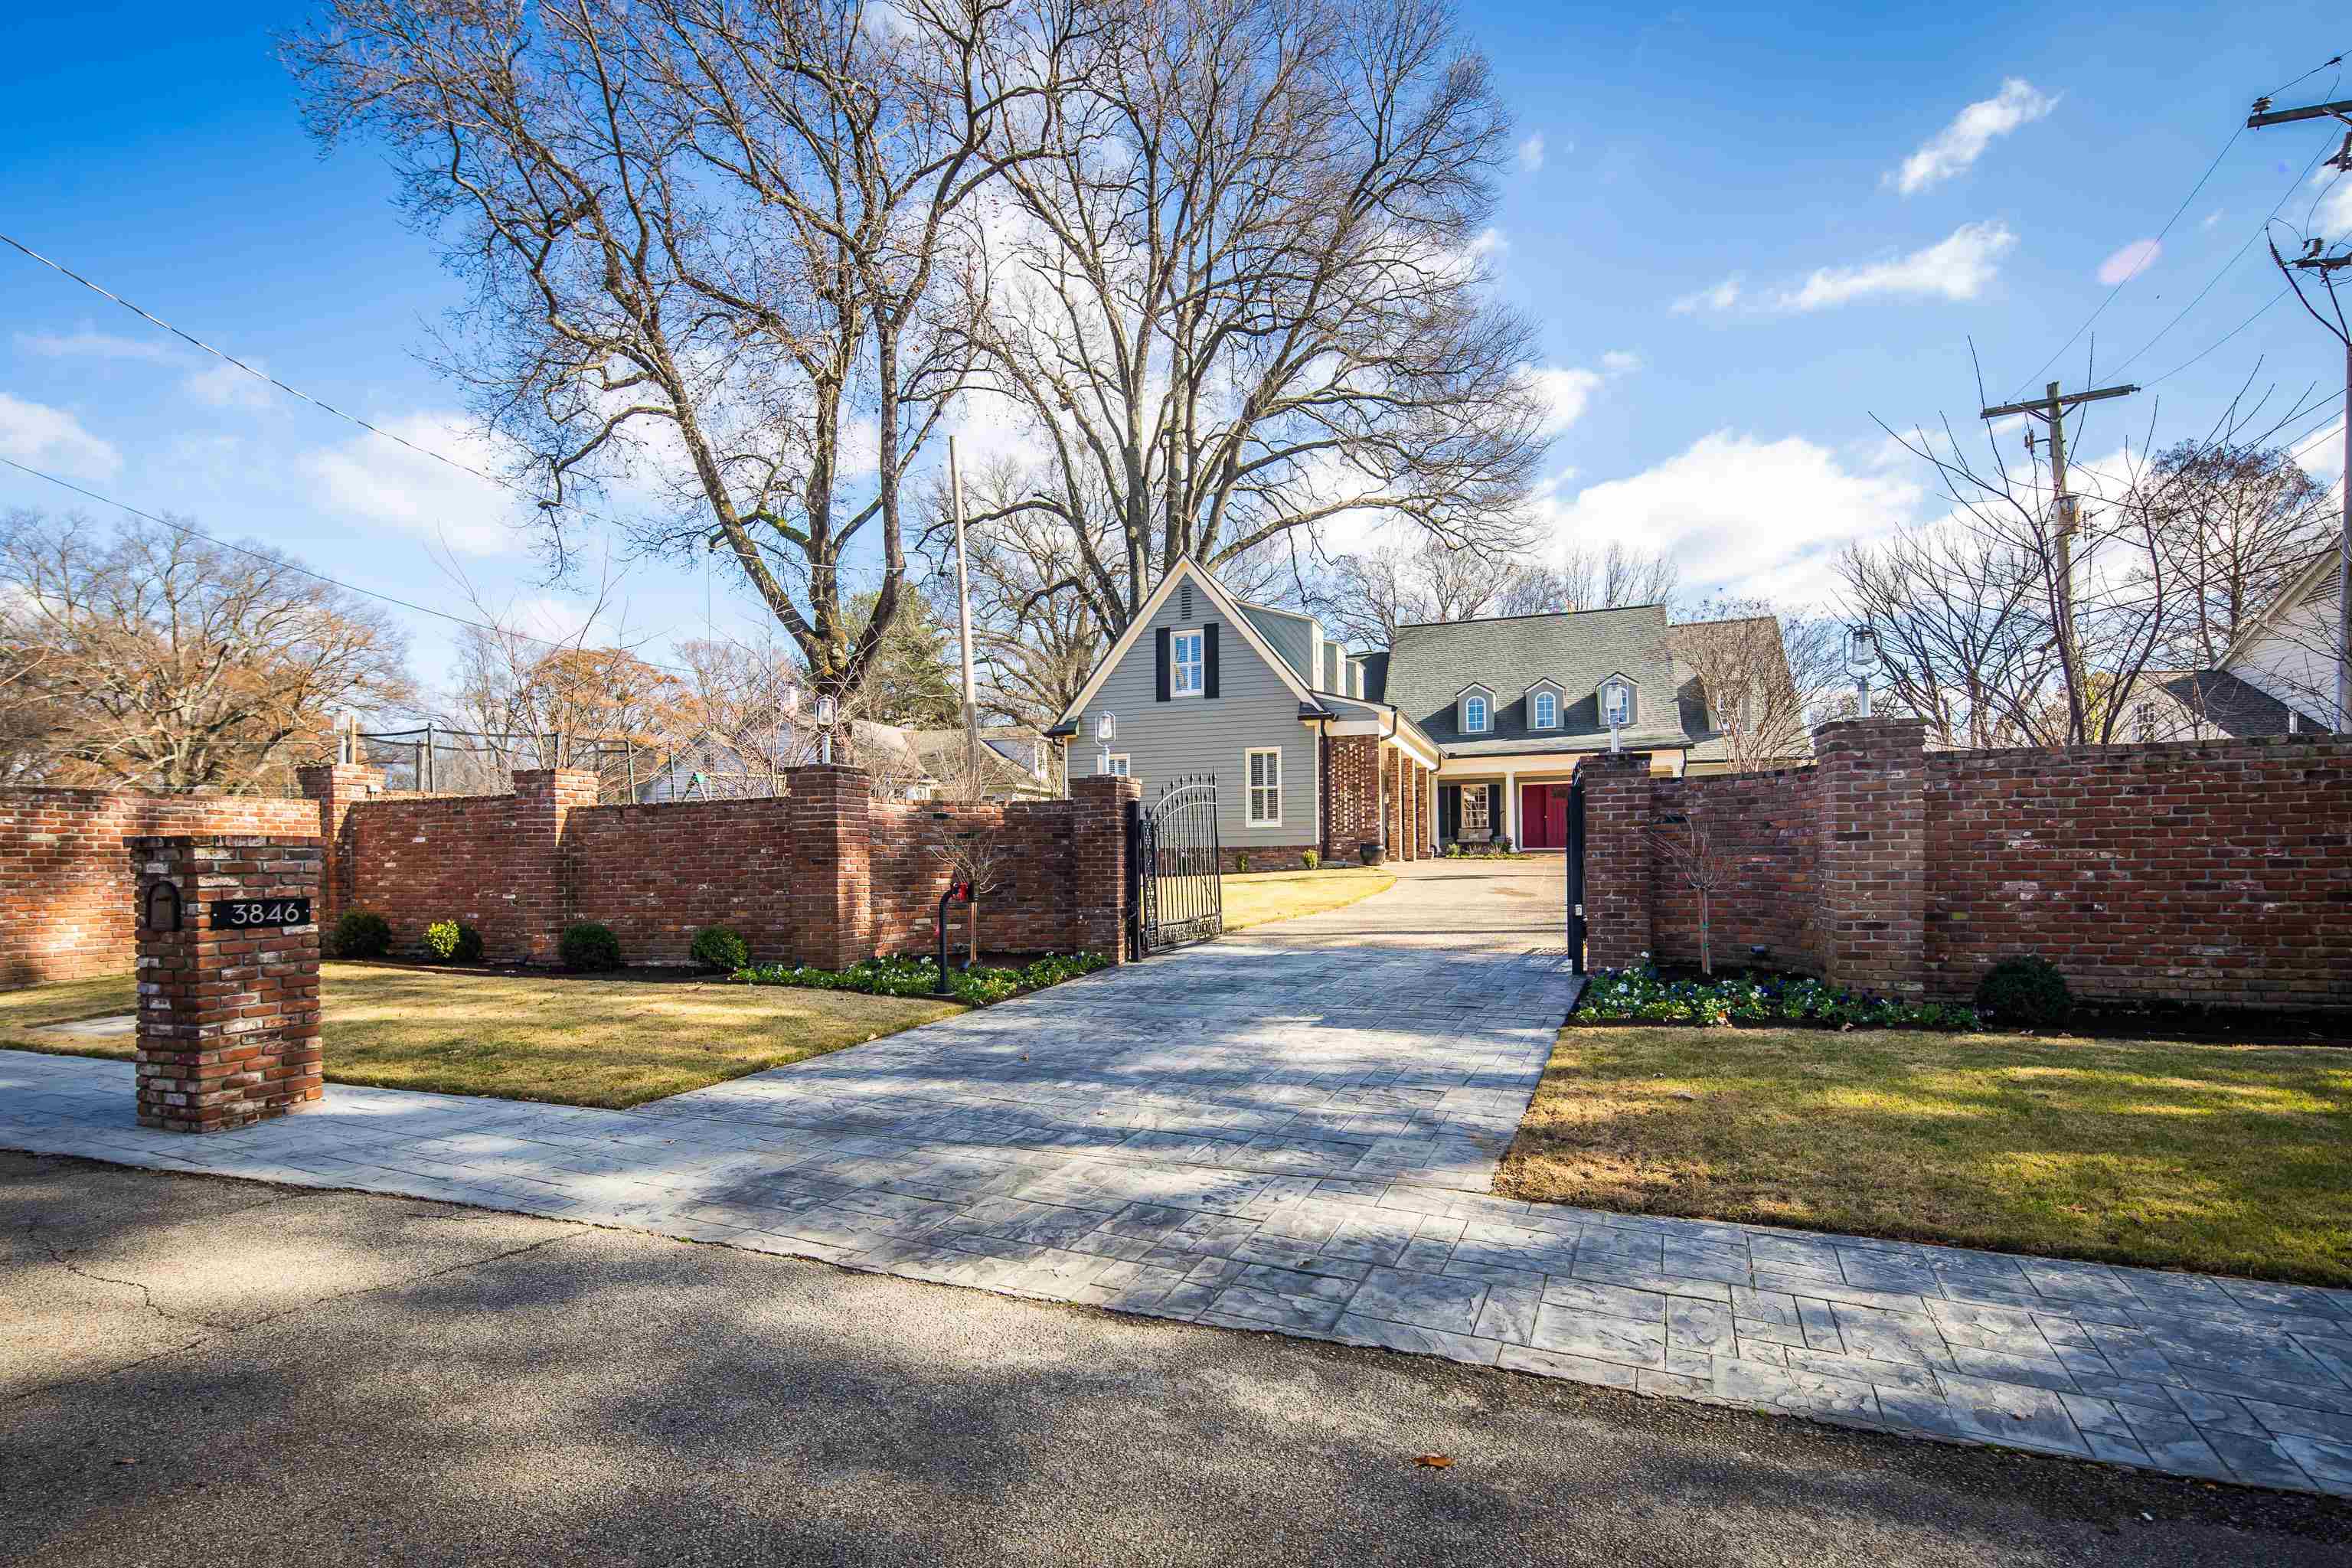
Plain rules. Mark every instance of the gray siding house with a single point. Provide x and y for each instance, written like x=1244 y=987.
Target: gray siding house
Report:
x=1478 y=724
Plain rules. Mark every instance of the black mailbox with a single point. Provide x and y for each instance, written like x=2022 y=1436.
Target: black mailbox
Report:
x=162 y=907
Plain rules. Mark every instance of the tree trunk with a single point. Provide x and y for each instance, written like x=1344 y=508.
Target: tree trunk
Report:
x=1705 y=935
x=971 y=934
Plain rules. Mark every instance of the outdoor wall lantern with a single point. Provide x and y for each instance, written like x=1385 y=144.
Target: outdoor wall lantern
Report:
x=164 y=907
x=1861 y=658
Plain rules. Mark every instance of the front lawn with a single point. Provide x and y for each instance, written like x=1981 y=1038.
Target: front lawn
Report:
x=1255 y=898
x=2228 y=1159
x=572 y=1041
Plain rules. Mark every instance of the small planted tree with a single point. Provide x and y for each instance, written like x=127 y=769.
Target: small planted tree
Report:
x=1695 y=857
x=977 y=859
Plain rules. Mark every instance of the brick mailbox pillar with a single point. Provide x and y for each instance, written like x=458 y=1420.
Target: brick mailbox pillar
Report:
x=229 y=978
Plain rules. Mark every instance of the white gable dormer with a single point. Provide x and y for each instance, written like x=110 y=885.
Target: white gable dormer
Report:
x=1474 y=710
x=1546 y=703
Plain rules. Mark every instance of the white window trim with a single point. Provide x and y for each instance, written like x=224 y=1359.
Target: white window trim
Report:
x=1486 y=714
x=1177 y=664
x=1538 y=701
x=1250 y=818
x=1119 y=766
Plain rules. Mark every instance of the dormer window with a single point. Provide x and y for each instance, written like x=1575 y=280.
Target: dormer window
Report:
x=1617 y=701
x=1546 y=710
x=1473 y=715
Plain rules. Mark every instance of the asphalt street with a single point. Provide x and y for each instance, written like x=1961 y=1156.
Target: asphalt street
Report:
x=202 y=1370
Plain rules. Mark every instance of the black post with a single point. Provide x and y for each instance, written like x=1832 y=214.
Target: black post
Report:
x=958 y=893
x=1575 y=859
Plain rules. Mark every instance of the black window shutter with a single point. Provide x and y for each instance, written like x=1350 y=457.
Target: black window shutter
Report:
x=1495 y=809
x=1159 y=644
x=1209 y=660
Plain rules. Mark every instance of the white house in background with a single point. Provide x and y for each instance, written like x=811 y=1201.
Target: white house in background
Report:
x=2277 y=677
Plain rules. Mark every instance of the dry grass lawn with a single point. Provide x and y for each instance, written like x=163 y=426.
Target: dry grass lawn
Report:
x=573 y=1042
x=1255 y=898
x=2227 y=1159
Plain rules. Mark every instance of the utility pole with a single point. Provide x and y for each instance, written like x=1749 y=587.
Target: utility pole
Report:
x=2066 y=515
x=963 y=623
x=2312 y=262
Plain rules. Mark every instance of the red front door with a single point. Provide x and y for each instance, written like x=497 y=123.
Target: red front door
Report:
x=1543 y=817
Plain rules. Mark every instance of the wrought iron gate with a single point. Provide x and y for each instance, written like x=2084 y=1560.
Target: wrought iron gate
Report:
x=1575 y=865
x=1178 y=894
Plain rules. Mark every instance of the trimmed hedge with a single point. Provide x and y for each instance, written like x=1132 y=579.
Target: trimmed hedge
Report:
x=921 y=977
x=719 y=948
x=2026 y=990
x=1641 y=995
x=360 y=933
x=590 y=946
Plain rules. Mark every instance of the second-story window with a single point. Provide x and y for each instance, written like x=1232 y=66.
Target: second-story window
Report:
x=1474 y=715
x=1546 y=710
x=1184 y=662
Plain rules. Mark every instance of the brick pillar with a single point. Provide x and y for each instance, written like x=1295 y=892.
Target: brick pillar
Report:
x=542 y=903
x=1617 y=886
x=831 y=891
x=1354 y=817
x=1870 y=790
x=1098 y=869
x=337 y=787
x=1391 y=802
x=229 y=1016
x=1424 y=795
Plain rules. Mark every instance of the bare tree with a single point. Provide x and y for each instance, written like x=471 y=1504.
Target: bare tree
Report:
x=706 y=238
x=979 y=859
x=1614 y=576
x=2020 y=620
x=2234 y=524
x=1766 y=677
x=1366 y=598
x=158 y=659
x=1700 y=863
x=1241 y=292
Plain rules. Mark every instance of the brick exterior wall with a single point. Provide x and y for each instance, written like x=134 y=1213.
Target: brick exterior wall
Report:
x=1870 y=876
x=1099 y=808
x=1617 y=878
x=657 y=873
x=414 y=860
x=66 y=890
x=337 y=787
x=1353 y=814
x=2206 y=871
x=1030 y=910
x=228 y=1018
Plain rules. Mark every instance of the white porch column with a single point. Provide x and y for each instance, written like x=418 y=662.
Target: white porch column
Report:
x=1511 y=806
x=1436 y=818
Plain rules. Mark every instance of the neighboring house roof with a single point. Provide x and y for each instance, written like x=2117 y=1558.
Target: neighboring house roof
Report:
x=2220 y=700
x=2316 y=582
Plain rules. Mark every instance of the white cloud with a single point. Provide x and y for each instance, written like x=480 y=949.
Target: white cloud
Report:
x=2212 y=219
x=89 y=344
x=1531 y=152
x=2130 y=262
x=222 y=385
x=1620 y=361
x=1566 y=394
x=42 y=436
x=1955 y=268
x=2333 y=215
x=371 y=478
x=1722 y=296
x=1744 y=515
x=1959 y=145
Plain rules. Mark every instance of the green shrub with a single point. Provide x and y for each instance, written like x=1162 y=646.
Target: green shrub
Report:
x=1310 y=858
x=2027 y=990
x=588 y=945
x=908 y=976
x=1642 y=996
x=453 y=942
x=1241 y=861
x=720 y=949
x=362 y=933
x=1453 y=851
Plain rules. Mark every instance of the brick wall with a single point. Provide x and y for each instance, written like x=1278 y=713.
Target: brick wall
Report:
x=66 y=886
x=2211 y=871
x=417 y=860
x=1765 y=825
x=657 y=873
x=1030 y=911
x=1354 y=781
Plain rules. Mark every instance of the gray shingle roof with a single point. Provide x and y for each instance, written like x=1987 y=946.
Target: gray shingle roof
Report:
x=2226 y=702
x=1428 y=665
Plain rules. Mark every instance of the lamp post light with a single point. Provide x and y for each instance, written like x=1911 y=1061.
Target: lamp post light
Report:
x=1106 y=732
x=828 y=711
x=1861 y=658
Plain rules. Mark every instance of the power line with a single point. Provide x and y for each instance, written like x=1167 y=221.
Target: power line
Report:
x=282 y=563
x=2217 y=343
x=228 y=358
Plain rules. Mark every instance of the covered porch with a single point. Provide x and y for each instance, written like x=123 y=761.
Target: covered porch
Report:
x=1481 y=804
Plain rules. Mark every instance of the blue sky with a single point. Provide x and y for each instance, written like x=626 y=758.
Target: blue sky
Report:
x=1713 y=230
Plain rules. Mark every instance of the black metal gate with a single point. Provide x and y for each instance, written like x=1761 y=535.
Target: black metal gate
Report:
x=1575 y=859
x=1178 y=894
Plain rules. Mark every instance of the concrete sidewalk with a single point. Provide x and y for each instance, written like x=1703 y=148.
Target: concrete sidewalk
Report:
x=201 y=1371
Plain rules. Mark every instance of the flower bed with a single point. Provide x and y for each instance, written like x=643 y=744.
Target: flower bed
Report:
x=1642 y=996
x=908 y=976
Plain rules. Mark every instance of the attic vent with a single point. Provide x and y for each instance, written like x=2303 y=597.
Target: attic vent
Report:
x=1185 y=602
